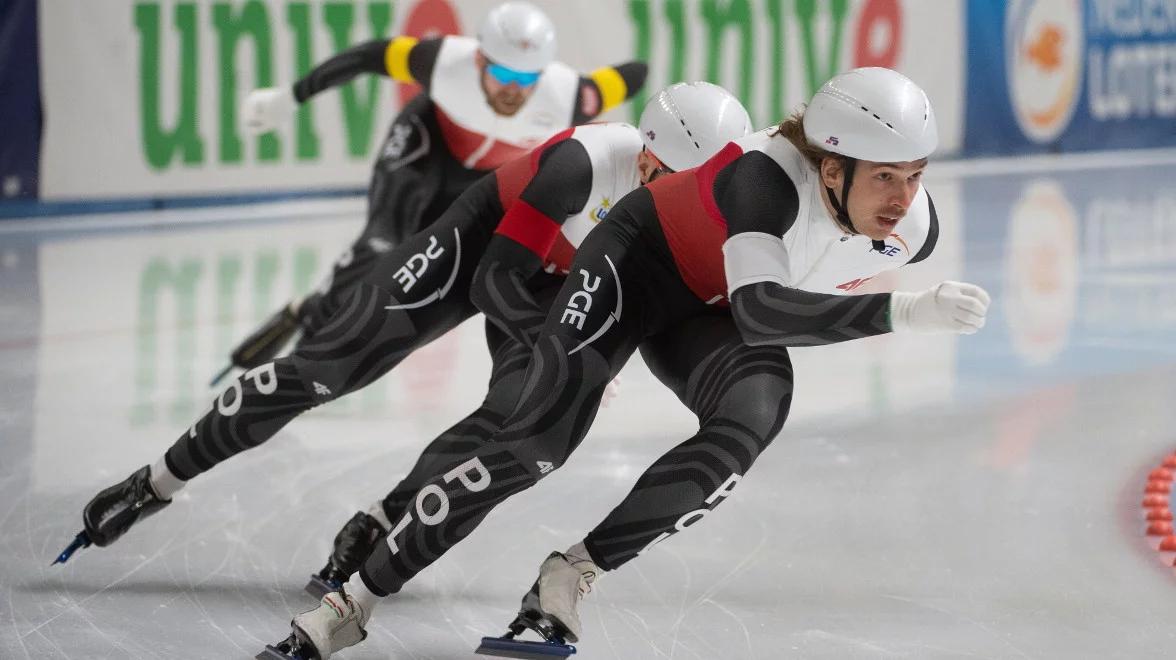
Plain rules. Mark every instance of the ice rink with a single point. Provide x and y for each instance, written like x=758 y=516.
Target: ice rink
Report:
x=930 y=497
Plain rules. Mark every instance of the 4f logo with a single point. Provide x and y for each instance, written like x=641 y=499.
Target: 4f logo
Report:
x=853 y=284
x=418 y=264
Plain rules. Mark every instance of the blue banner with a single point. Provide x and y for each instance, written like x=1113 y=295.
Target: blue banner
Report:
x=20 y=100
x=1067 y=75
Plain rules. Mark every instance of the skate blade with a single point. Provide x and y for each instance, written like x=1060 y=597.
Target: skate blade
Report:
x=318 y=587
x=272 y=652
x=220 y=375
x=513 y=648
x=82 y=540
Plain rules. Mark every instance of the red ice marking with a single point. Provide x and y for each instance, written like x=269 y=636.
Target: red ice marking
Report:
x=1157 y=509
x=1163 y=487
x=1159 y=513
x=1154 y=500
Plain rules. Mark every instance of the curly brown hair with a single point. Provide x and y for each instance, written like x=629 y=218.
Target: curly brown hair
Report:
x=792 y=129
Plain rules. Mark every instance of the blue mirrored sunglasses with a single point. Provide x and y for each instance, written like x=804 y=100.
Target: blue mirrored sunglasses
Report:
x=507 y=76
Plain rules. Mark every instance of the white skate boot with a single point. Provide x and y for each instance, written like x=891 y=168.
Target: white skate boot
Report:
x=564 y=579
x=549 y=609
x=335 y=624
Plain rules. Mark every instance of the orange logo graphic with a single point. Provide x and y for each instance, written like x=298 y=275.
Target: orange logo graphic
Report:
x=1046 y=50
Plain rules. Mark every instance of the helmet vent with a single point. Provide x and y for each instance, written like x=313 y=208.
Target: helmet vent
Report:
x=691 y=135
x=875 y=116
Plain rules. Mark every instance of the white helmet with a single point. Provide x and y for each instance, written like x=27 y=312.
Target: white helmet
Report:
x=872 y=114
x=519 y=36
x=687 y=123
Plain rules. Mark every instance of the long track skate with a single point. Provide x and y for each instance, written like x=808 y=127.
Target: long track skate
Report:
x=113 y=511
x=291 y=648
x=554 y=644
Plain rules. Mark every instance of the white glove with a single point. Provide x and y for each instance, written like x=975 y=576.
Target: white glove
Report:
x=949 y=307
x=611 y=391
x=267 y=108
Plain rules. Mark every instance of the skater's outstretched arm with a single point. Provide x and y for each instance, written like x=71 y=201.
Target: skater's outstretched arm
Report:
x=607 y=87
x=404 y=59
x=523 y=239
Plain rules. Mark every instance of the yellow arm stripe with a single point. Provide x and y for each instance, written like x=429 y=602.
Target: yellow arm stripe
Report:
x=612 y=87
x=396 y=58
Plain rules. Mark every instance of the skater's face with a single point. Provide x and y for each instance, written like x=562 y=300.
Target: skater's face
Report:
x=506 y=89
x=650 y=167
x=880 y=194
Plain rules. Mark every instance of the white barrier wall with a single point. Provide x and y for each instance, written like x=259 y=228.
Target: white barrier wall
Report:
x=141 y=97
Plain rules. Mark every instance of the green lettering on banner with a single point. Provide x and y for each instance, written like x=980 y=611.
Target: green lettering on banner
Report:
x=675 y=12
x=806 y=11
x=359 y=112
x=776 y=108
x=719 y=15
x=642 y=50
x=298 y=17
x=159 y=144
x=157 y=278
x=251 y=20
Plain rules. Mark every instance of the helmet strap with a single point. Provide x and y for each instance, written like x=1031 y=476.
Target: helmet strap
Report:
x=848 y=167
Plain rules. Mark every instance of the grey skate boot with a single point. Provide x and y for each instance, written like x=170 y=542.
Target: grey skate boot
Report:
x=337 y=623
x=564 y=580
x=549 y=609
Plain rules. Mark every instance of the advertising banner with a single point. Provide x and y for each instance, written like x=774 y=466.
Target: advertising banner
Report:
x=142 y=97
x=20 y=101
x=1067 y=75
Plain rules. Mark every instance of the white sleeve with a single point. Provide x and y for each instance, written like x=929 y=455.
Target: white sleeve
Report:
x=751 y=257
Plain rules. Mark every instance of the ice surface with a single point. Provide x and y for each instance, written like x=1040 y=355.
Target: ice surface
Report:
x=930 y=497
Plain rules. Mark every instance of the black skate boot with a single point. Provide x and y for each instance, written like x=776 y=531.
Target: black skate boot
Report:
x=353 y=544
x=264 y=343
x=113 y=511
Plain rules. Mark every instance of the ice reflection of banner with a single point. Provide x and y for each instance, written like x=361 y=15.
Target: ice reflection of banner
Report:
x=19 y=347
x=1085 y=285
x=134 y=324
x=1041 y=272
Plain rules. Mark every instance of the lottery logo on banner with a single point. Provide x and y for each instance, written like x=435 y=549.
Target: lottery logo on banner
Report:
x=1070 y=75
x=1043 y=56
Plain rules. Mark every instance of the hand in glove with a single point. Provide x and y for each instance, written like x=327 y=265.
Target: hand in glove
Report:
x=611 y=391
x=267 y=108
x=949 y=307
